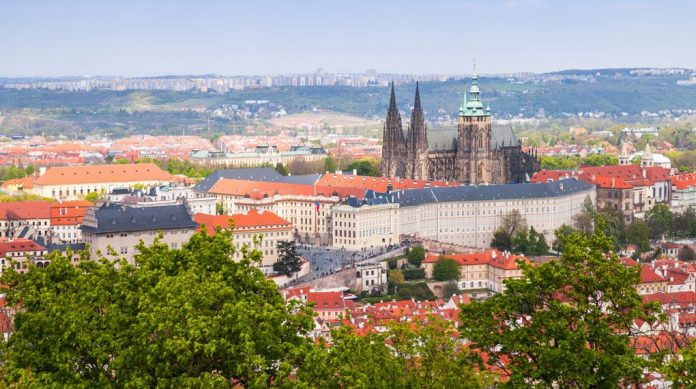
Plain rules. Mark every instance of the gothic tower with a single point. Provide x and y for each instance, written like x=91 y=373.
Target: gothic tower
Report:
x=474 y=157
x=417 y=142
x=393 y=143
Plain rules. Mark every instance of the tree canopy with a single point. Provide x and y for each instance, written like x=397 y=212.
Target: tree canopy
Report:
x=446 y=269
x=566 y=322
x=190 y=317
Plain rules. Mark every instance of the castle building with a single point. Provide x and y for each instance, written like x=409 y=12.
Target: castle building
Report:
x=474 y=154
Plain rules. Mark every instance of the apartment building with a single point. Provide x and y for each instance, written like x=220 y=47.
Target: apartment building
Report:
x=66 y=219
x=365 y=223
x=21 y=219
x=19 y=253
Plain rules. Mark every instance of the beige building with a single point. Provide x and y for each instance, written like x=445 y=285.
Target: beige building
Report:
x=469 y=215
x=362 y=224
x=483 y=272
x=254 y=229
x=119 y=228
x=71 y=182
x=308 y=212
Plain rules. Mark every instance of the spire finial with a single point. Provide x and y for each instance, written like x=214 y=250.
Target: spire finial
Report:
x=392 y=101
x=417 y=103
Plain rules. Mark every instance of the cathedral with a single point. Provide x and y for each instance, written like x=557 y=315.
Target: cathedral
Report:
x=474 y=154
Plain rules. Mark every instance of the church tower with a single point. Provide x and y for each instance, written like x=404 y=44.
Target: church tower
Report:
x=647 y=159
x=393 y=144
x=474 y=157
x=624 y=156
x=417 y=142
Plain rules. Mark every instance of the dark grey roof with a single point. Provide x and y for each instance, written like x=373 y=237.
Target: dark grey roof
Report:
x=254 y=174
x=416 y=197
x=120 y=218
x=74 y=247
x=446 y=139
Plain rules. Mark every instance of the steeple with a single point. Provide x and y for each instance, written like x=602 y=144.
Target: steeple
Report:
x=647 y=158
x=393 y=131
x=392 y=101
x=417 y=136
x=474 y=106
x=624 y=156
x=462 y=106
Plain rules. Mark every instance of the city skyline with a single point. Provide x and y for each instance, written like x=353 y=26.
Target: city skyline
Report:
x=155 y=38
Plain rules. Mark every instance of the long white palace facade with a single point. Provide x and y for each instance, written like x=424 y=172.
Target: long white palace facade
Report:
x=469 y=215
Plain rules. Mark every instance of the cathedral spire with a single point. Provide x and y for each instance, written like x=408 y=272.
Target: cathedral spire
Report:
x=392 y=101
x=417 y=136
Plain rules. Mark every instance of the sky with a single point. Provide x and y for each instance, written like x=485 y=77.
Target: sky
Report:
x=254 y=37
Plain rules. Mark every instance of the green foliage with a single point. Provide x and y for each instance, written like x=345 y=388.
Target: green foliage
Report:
x=188 y=168
x=92 y=196
x=660 y=220
x=282 y=169
x=121 y=161
x=584 y=220
x=530 y=242
x=573 y=162
x=12 y=171
x=682 y=370
x=178 y=318
x=416 y=290
x=638 y=233
x=686 y=253
x=365 y=167
x=510 y=225
x=560 y=233
x=414 y=274
x=404 y=356
x=565 y=323
x=450 y=289
x=416 y=255
x=446 y=269
x=289 y=261
x=395 y=277
x=330 y=165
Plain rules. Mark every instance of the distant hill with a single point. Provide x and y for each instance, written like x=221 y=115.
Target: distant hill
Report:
x=616 y=92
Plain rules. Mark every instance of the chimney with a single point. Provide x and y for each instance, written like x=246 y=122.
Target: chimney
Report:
x=42 y=171
x=613 y=182
x=355 y=172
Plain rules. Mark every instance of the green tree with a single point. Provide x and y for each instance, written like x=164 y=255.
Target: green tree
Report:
x=404 y=356
x=686 y=253
x=365 y=167
x=559 y=234
x=446 y=269
x=584 y=220
x=330 y=165
x=450 y=289
x=177 y=318
x=395 y=277
x=282 y=169
x=565 y=323
x=416 y=255
x=682 y=370
x=92 y=196
x=510 y=225
x=659 y=218
x=289 y=261
x=638 y=233
x=601 y=160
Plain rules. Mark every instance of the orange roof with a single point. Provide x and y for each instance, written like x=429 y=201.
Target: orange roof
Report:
x=672 y=298
x=621 y=177
x=25 y=182
x=22 y=210
x=18 y=245
x=92 y=174
x=69 y=212
x=683 y=181
x=647 y=275
x=259 y=189
x=378 y=184
x=494 y=258
x=252 y=219
x=326 y=301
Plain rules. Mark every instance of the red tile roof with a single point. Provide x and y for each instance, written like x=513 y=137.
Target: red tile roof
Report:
x=647 y=275
x=259 y=189
x=494 y=258
x=683 y=181
x=69 y=212
x=22 y=210
x=379 y=184
x=92 y=174
x=682 y=298
x=326 y=301
x=18 y=245
x=252 y=219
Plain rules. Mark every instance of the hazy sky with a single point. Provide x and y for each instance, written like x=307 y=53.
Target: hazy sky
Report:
x=154 y=37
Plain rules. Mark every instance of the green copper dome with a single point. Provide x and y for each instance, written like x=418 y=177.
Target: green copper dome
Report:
x=474 y=106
